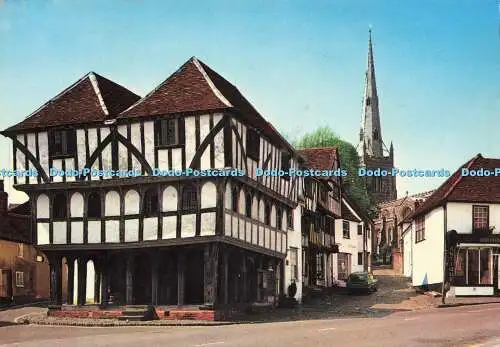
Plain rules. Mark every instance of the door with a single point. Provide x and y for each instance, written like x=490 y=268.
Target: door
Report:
x=496 y=273
x=5 y=284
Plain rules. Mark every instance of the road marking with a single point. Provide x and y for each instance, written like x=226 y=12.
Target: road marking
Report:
x=210 y=344
x=485 y=309
x=326 y=329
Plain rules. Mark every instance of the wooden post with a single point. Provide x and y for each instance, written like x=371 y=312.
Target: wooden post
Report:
x=70 y=262
x=244 y=291
x=129 y=280
x=82 y=281
x=225 y=278
x=55 y=279
x=211 y=262
x=104 y=280
x=97 y=280
x=154 y=278
x=180 y=278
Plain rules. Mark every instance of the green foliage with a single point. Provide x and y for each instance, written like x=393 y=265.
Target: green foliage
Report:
x=353 y=185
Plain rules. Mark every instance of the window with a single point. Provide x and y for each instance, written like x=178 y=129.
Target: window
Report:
x=94 y=205
x=360 y=229
x=62 y=143
x=285 y=162
x=279 y=218
x=419 y=229
x=360 y=258
x=151 y=203
x=320 y=266
x=168 y=132
x=346 y=229
x=19 y=279
x=473 y=267
x=59 y=206
x=323 y=193
x=308 y=185
x=289 y=218
x=248 y=205
x=189 y=197
x=20 y=250
x=234 y=199
x=253 y=144
x=294 y=256
x=480 y=218
x=267 y=214
x=343 y=265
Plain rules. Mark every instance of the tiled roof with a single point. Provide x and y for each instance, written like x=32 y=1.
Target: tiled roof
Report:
x=460 y=188
x=195 y=87
x=320 y=158
x=92 y=98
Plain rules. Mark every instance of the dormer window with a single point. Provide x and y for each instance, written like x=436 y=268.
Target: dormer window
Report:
x=62 y=143
x=169 y=132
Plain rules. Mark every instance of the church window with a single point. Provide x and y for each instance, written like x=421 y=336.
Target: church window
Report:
x=94 y=205
x=62 y=143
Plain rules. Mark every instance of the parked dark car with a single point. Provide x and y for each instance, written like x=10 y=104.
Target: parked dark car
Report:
x=361 y=282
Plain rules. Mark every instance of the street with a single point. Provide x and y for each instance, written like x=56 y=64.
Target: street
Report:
x=459 y=326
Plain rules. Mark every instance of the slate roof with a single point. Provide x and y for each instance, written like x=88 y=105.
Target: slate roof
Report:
x=195 y=87
x=92 y=98
x=320 y=158
x=458 y=188
x=15 y=224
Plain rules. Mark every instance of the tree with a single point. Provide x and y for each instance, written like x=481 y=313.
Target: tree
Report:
x=353 y=185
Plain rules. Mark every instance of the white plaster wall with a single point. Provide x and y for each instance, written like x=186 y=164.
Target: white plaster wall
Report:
x=407 y=254
x=248 y=233
x=272 y=244
x=294 y=240
x=122 y=157
x=170 y=199
x=273 y=216
x=188 y=225
x=190 y=138
x=219 y=143
x=132 y=200
x=208 y=195
x=92 y=138
x=135 y=138
x=76 y=204
x=57 y=164
x=76 y=232
x=169 y=230
x=80 y=148
x=131 y=230
x=207 y=224
x=59 y=233
x=31 y=145
x=428 y=254
x=94 y=232
x=348 y=245
x=106 y=160
x=112 y=231
x=89 y=293
x=227 y=196
x=43 y=148
x=149 y=143
x=70 y=165
x=242 y=202
x=204 y=130
x=112 y=204
x=460 y=217
x=150 y=229
x=42 y=233
x=255 y=208
x=163 y=159
x=176 y=158
x=227 y=225
x=42 y=206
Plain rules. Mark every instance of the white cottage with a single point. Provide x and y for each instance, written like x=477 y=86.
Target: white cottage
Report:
x=455 y=234
x=105 y=192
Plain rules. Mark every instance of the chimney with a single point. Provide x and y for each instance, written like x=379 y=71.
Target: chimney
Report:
x=4 y=199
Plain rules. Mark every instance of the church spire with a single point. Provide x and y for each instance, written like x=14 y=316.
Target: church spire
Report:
x=371 y=132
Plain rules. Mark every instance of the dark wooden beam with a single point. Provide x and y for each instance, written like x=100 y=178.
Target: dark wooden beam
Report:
x=55 y=264
x=82 y=281
x=211 y=263
x=154 y=277
x=180 y=278
x=129 y=280
x=71 y=280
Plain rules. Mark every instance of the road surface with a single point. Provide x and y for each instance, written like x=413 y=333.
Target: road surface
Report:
x=459 y=326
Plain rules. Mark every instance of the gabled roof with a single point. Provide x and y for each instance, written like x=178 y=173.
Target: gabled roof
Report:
x=347 y=213
x=195 y=87
x=319 y=158
x=473 y=189
x=92 y=98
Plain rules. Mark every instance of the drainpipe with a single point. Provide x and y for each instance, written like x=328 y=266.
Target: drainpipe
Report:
x=445 y=255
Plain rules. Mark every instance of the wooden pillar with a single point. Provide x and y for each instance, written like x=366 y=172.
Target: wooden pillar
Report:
x=104 y=280
x=180 y=277
x=244 y=291
x=97 y=280
x=225 y=278
x=129 y=280
x=55 y=264
x=154 y=278
x=70 y=262
x=82 y=280
x=211 y=262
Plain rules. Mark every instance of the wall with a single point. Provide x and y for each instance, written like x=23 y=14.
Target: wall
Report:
x=428 y=254
x=348 y=245
x=407 y=253
x=460 y=217
x=295 y=240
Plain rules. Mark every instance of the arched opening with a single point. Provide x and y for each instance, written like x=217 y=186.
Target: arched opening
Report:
x=234 y=199
x=190 y=197
x=59 y=206
x=151 y=202
x=94 y=205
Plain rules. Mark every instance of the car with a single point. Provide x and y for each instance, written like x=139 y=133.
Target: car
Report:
x=361 y=281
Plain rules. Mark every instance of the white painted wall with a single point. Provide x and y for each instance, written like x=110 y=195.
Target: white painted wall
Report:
x=407 y=252
x=460 y=217
x=295 y=240
x=428 y=254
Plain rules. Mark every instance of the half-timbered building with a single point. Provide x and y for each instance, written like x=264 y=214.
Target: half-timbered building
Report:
x=160 y=193
x=321 y=195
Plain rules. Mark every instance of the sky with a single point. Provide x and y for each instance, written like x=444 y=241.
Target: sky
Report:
x=301 y=64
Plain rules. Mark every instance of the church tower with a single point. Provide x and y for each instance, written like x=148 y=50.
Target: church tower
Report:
x=372 y=151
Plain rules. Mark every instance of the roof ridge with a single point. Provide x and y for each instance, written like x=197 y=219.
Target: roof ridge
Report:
x=97 y=91
x=453 y=186
x=210 y=83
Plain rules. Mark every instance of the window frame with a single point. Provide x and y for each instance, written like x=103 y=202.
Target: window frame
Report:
x=484 y=214
x=148 y=203
x=419 y=229
x=346 y=231
x=289 y=219
x=360 y=229
x=161 y=140
x=186 y=203
x=20 y=250
x=253 y=144
x=360 y=258
x=294 y=263
x=68 y=143
x=19 y=279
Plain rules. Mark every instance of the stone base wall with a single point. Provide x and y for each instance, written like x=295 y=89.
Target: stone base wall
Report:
x=84 y=314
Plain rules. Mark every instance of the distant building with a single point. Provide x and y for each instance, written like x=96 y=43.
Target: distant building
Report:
x=372 y=151
x=24 y=272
